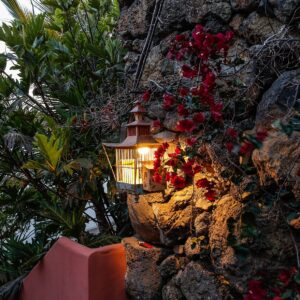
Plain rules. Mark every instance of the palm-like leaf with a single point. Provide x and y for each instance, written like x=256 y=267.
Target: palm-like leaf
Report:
x=11 y=289
x=68 y=61
x=16 y=10
x=14 y=138
x=42 y=6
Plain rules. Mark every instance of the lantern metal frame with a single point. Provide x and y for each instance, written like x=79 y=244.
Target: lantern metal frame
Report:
x=135 y=153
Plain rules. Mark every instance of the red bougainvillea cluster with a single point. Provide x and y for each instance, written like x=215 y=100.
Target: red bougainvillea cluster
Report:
x=286 y=285
x=167 y=167
x=197 y=106
x=248 y=142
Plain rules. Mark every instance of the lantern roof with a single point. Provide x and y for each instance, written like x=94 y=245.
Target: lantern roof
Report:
x=134 y=142
x=138 y=131
x=138 y=123
x=138 y=108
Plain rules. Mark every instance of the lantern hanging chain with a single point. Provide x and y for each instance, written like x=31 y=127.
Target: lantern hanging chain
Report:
x=111 y=167
x=146 y=49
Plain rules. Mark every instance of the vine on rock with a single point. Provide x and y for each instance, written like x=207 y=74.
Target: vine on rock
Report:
x=199 y=109
x=283 y=285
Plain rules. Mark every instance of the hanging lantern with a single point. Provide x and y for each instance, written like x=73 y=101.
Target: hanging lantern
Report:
x=135 y=156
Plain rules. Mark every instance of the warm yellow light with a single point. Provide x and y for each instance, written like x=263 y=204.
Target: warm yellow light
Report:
x=128 y=172
x=144 y=150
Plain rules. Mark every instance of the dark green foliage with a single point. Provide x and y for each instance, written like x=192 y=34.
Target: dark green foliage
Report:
x=52 y=166
x=244 y=232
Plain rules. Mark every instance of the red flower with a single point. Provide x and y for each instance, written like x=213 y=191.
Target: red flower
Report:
x=161 y=150
x=277 y=298
x=157 y=178
x=170 y=175
x=146 y=96
x=255 y=291
x=229 y=147
x=180 y=54
x=199 y=117
x=205 y=53
x=229 y=36
x=221 y=42
x=276 y=290
x=156 y=124
x=216 y=109
x=261 y=135
x=284 y=277
x=192 y=141
x=187 y=168
x=198 y=36
x=216 y=116
x=246 y=148
x=205 y=69
x=210 y=195
x=169 y=100
x=180 y=37
x=165 y=146
x=177 y=152
x=182 y=111
x=186 y=125
x=197 y=168
x=196 y=91
x=207 y=99
x=172 y=162
x=232 y=132
x=188 y=72
x=170 y=54
x=197 y=31
x=178 y=182
x=203 y=183
x=156 y=164
x=209 y=80
x=158 y=154
x=183 y=91
x=217 y=106
x=293 y=271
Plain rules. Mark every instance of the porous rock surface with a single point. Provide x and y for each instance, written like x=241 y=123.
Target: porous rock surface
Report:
x=202 y=249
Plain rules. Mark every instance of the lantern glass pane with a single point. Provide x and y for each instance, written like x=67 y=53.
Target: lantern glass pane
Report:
x=129 y=164
x=125 y=165
x=145 y=157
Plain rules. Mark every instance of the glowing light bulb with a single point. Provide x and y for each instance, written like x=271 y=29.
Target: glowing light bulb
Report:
x=143 y=150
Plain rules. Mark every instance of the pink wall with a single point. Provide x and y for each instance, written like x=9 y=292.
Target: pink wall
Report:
x=71 y=271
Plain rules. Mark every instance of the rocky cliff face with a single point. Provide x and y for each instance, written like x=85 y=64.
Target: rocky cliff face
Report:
x=205 y=250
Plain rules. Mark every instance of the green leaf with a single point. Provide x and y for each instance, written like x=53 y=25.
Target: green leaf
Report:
x=16 y=10
x=241 y=251
x=295 y=121
x=297 y=278
x=2 y=62
x=37 y=41
x=85 y=163
x=287 y=295
x=34 y=165
x=51 y=149
x=58 y=46
x=287 y=129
